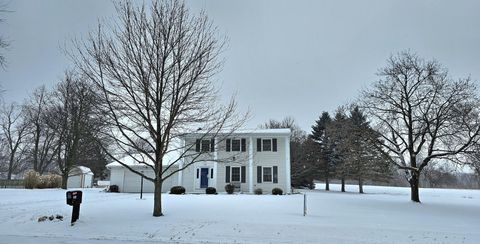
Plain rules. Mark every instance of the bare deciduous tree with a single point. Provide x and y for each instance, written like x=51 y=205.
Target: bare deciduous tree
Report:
x=73 y=118
x=13 y=133
x=154 y=68
x=3 y=42
x=422 y=114
x=41 y=144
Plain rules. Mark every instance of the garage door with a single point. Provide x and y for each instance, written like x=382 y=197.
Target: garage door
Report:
x=131 y=183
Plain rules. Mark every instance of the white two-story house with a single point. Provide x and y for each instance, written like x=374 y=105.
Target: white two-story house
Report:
x=248 y=159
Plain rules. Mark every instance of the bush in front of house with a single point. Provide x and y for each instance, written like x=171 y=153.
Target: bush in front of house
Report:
x=30 y=179
x=258 y=191
x=113 y=188
x=211 y=190
x=277 y=191
x=177 y=190
x=229 y=188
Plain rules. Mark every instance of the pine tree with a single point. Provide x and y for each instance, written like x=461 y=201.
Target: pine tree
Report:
x=363 y=158
x=324 y=153
x=337 y=132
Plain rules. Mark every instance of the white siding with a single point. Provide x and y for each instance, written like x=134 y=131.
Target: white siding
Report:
x=232 y=159
x=74 y=181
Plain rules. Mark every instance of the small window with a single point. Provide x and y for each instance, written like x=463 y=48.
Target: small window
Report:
x=267 y=145
x=205 y=145
x=236 y=145
x=267 y=174
x=235 y=174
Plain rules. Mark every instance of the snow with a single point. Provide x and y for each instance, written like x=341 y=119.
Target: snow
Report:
x=383 y=215
x=249 y=132
x=84 y=170
x=134 y=159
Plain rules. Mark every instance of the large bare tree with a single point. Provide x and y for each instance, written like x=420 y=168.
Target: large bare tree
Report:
x=154 y=67
x=422 y=114
x=41 y=146
x=13 y=131
x=73 y=117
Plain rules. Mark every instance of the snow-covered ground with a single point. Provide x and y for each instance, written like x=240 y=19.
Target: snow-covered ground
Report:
x=383 y=215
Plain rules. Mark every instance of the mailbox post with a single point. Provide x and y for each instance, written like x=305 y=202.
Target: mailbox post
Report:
x=74 y=198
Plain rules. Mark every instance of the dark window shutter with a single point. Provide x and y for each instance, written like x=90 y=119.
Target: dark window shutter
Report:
x=227 y=145
x=244 y=145
x=197 y=145
x=198 y=173
x=274 y=144
x=259 y=144
x=259 y=174
x=211 y=173
x=243 y=174
x=275 y=174
x=227 y=174
x=212 y=145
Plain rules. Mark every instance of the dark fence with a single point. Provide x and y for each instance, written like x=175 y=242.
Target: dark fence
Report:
x=11 y=184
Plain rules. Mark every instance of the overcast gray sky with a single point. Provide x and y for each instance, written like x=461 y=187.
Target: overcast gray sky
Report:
x=295 y=58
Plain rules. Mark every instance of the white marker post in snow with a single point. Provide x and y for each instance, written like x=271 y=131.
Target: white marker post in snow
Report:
x=304 y=204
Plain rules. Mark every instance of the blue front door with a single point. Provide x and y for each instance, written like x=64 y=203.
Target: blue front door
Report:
x=204 y=178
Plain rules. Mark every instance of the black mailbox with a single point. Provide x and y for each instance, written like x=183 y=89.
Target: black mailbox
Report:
x=74 y=197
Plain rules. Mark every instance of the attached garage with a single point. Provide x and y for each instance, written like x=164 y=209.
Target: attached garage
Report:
x=128 y=181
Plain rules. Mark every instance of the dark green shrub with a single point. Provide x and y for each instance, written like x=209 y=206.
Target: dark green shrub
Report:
x=277 y=191
x=258 y=191
x=113 y=188
x=211 y=190
x=229 y=188
x=177 y=190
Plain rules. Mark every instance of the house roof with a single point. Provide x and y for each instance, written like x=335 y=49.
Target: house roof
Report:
x=252 y=132
x=135 y=159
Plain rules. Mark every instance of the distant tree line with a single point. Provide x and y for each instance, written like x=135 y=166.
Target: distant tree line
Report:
x=415 y=122
x=343 y=148
x=53 y=130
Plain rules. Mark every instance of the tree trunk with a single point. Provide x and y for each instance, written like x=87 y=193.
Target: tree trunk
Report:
x=64 y=181
x=9 y=174
x=10 y=166
x=157 y=199
x=327 y=184
x=343 y=184
x=360 y=185
x=414 y=185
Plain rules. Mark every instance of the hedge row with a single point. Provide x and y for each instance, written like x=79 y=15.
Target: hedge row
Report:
x=33 y=179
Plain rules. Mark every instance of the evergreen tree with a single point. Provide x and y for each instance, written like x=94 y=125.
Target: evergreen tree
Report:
x=337 y=132
x=323 y=157
x=359 y=151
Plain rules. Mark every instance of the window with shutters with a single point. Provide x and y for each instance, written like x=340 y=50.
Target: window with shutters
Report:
x=267 y=145
x=236 y=145
x=235 y=174
x=267 y=174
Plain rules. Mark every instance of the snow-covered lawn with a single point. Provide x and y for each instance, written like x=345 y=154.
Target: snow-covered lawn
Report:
x=383 y=215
